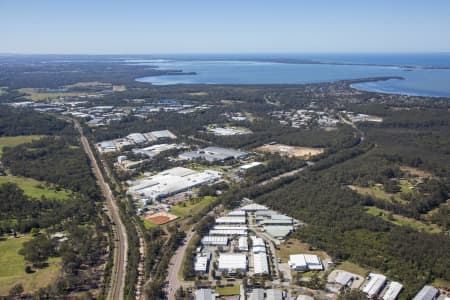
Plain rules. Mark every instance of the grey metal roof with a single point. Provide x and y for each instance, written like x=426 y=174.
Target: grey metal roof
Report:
x=427 y=293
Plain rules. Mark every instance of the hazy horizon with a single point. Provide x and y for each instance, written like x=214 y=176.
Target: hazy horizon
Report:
x=232 y=27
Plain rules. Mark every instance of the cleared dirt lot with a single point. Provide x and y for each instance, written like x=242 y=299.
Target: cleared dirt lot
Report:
x=286 y=150
x=160 y=218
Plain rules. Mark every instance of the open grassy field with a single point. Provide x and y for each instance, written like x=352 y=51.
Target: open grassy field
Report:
x=352 y=268
x=191 y=208
x=11 y=141
x=36 y=95
x=294 y=246
x=441 y=283
x=149 y=225
x=36 y=189
x=228 y=290
x=88 y=84
x=12 y=270
x=403 y=221
x=379 y=193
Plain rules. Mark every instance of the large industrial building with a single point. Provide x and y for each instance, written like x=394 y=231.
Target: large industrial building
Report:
x=213 y=154
x=171 y=182
x=154 y=150
x=133 y=139
x=304 y=262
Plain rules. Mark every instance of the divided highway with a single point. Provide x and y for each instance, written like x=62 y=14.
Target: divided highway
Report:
x=120 y=250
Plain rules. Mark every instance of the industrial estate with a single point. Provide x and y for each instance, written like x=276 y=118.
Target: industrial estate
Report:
x=135 y=191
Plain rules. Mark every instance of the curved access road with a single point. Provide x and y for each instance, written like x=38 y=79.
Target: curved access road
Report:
x=116 y=290
x=174 y=282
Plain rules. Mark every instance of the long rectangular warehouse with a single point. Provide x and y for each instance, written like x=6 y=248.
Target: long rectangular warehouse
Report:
x=228 y=232
x=215 y=240
x=231 y=220
x=221 y=227
x=260 y=263
x=374 y=284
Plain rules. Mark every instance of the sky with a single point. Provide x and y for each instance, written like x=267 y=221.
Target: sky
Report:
x=227 y=26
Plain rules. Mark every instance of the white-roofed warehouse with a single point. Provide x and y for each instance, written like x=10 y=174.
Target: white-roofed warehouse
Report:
x=393 y=290
x=232 y=263
x=215 y=240
x=302 y=262
x=260 y=264
x=374 y=284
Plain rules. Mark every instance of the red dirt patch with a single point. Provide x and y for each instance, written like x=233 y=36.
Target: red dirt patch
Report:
x=161 y=218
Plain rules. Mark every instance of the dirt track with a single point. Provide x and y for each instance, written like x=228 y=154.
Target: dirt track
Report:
x=116 y=290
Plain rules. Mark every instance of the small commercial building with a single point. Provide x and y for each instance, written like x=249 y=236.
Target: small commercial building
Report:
x=344 y=278
x=258 y=245
x=393 y=290
x=427 y=293
x=243 y=244
x=205 y=294
x=273 y=294
x=201 y=263
x=374 y=284
x=304 y=262
x=256 y=294
x=232 y=263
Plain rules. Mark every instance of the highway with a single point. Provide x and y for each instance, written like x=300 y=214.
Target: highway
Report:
x=116 y=290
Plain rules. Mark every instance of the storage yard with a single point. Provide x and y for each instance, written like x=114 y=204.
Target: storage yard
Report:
x=286 y=150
